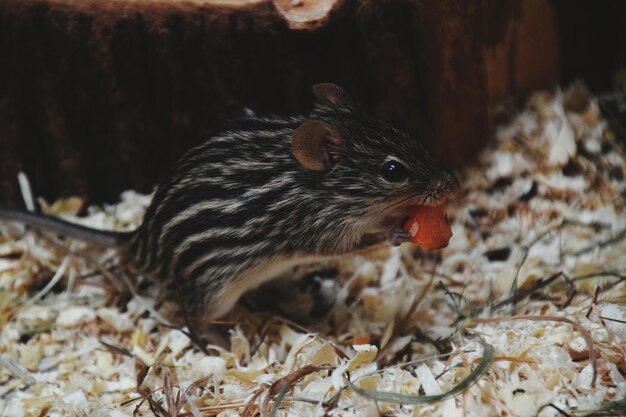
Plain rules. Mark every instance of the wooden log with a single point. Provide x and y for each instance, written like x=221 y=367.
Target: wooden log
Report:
x=99 y=96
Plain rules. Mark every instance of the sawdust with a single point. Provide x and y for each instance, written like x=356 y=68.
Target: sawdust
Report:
x=535 y=269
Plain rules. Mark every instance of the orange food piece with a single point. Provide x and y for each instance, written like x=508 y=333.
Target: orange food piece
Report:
x=362 y=339
x=428 y=227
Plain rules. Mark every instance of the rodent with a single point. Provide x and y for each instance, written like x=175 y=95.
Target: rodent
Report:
x=269 y=193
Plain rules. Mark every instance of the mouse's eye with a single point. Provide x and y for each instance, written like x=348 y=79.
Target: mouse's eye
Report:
x=394 y=171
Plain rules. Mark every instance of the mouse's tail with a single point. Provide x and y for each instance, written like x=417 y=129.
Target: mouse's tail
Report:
x=63 y=227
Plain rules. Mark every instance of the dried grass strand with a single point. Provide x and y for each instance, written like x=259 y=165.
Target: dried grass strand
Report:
x=394 y=397
x=287 y=382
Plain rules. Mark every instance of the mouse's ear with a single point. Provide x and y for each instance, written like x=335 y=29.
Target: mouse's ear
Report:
x=316 y=145
x=331 y=95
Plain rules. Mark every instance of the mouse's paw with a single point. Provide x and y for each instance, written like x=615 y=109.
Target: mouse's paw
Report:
x=398 y=237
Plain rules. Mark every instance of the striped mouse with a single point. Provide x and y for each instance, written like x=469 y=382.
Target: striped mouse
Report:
x=269 y=193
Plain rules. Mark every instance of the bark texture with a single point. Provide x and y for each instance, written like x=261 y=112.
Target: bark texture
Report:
x=100 y=96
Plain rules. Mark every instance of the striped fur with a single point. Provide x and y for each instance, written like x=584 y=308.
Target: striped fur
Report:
x=239 y=208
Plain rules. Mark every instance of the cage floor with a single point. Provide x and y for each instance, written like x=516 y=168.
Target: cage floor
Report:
x=527 y=304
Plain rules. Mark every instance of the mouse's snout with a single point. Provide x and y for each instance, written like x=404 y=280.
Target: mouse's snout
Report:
x=451 y=184
x=443 y=188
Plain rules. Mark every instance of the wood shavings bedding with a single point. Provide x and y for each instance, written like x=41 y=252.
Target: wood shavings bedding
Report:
x=538 y=244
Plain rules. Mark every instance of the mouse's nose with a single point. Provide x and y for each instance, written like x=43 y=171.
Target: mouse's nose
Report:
x=451 y=183
x=444 y=187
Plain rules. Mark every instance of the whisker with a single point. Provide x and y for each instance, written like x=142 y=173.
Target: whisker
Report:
x=397 y=203
x=402 y=201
